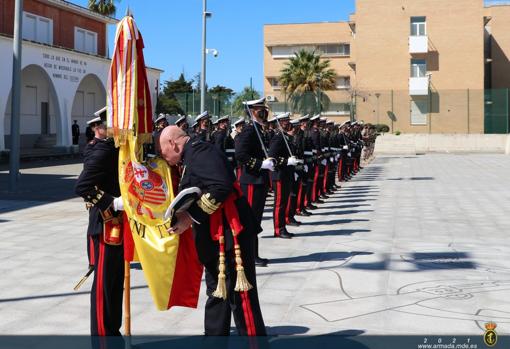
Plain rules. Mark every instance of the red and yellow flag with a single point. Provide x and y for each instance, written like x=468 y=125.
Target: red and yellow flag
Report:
x=169 y=262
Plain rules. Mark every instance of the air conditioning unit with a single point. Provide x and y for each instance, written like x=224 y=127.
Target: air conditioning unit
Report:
x=271 y=98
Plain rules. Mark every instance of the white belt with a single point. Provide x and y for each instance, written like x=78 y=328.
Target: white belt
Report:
x=230 y=150
x=314 y=151
x=335 y=149
x=308 y=153
x=230 y=158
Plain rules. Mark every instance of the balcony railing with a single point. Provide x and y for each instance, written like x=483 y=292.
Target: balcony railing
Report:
x=418 y=44
x=419 y=86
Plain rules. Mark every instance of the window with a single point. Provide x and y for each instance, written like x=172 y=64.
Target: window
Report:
x=418 y=26
x=343 y=82
x=419 y=110
x=338 y=109
x=275 y=84
x=334 y=49
x=85 y=41
x=418 y=68
x=37 y=28
x=325 y=49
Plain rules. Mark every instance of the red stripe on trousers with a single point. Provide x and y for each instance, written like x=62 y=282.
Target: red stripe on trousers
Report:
x=340 y=170
x=248 y=314
x=250 y=195
x=298 y=202
x=276 y=206
x=315 y=180
x=238 y=173
x=325 y=181
x=100 y=291
x=92 y=259
x=287 y=209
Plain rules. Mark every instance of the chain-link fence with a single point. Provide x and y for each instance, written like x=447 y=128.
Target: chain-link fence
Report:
x=445 y=111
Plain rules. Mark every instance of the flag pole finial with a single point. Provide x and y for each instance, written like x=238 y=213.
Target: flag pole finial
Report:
x=129 y=13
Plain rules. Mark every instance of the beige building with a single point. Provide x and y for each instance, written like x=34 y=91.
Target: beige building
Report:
x=415 y=65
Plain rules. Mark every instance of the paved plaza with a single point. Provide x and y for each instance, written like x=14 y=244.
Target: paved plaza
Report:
x=412 y=245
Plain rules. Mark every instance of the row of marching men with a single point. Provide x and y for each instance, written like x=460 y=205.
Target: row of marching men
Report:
x=298 y=160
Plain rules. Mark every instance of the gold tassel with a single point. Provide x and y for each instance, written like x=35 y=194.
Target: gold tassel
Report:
x=242 y=283
x=221 y=289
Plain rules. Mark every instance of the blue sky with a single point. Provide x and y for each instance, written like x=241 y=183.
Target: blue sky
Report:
x=172 y=33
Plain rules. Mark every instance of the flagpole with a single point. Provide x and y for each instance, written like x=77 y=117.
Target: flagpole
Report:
x=127 y=300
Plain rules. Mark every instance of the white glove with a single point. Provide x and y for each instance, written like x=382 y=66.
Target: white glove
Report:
x=331 y=159
x=345 y=147
x=118 y=205
x=349 y=154
x=268 y=164
x=292 y=161
x=324 y=162
x=296 y=176
x=306 y=168
x=337 y=157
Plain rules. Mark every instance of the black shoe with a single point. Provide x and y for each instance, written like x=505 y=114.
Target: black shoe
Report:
x=311 y=207
x=324 y=196
x=304 y=213
x=293 y=223
x=284 y=234
x=319 y=201
x=330 y=192
x=261 y=262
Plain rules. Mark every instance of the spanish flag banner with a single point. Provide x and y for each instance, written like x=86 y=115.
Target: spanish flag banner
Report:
x=169 y=262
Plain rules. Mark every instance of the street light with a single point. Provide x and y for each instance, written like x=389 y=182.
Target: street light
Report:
x=205 y=15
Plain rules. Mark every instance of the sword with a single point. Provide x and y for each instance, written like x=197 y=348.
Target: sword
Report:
x=257 y=132
x=84 y=278
x=283 y=134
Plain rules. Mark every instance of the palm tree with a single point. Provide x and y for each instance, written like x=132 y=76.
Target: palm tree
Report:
x=303 y=79
x=104 y=7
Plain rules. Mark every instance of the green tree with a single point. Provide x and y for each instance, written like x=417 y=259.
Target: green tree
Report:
x=175 y=97
x=104 y=7
x=220 y=96
x=247 y=94
x=303 y=78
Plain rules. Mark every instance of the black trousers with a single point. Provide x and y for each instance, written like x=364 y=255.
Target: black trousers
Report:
x=244 y=306
x=309 y=196
x=107 y=287
x=292 y=204
x=256 y=195
x=281 y=199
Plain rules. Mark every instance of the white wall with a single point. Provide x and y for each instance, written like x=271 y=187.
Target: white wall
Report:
x=65 y=70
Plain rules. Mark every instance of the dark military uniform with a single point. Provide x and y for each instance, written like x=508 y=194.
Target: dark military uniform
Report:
x=98 y=184
x=282 y=181
x=253 y=179
x=223 y=141
x=207 y=168
x=319 y=168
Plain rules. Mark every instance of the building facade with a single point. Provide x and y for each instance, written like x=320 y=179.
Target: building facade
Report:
x=64 y=70
x=415 y=65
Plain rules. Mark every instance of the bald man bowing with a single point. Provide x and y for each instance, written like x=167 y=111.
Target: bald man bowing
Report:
x=224 y=228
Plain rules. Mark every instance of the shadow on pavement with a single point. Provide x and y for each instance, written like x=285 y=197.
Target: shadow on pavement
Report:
x=320 y=257
x=332 y=232
x=336 y=221
x=37 y=189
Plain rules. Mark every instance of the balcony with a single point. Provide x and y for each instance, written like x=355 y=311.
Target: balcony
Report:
x=418 y=44
x=419 y=86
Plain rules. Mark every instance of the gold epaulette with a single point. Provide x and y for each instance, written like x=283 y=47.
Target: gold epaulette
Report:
x=208 y=204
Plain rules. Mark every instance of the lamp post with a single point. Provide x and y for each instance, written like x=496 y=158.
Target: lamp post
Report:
x=16 y=98
x=205 y=15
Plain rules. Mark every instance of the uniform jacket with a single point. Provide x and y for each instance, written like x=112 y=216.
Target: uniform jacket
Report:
x=207 y=168
x=249 y=155
x=278 y=150
x=98 y=183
